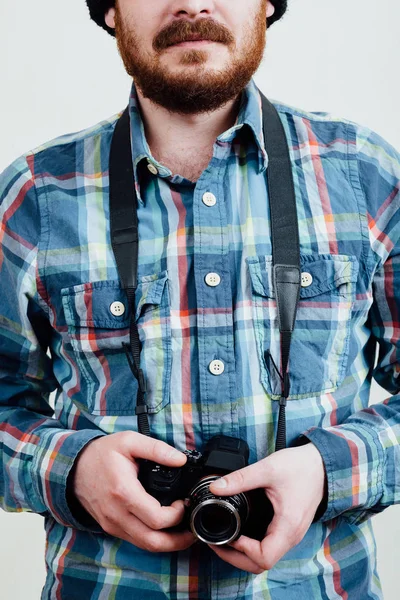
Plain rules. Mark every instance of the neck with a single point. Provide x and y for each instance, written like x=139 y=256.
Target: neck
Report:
x=167 y=130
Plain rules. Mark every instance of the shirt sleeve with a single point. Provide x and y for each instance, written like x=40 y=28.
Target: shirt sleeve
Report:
x=36 y=451
x=362 y=455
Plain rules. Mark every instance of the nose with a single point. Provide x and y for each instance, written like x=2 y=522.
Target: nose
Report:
x=193 y=8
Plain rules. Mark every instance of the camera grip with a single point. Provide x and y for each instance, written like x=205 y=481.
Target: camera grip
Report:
x=163 y=483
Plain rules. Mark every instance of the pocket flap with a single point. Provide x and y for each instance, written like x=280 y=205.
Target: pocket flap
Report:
x=150 y=290
x=89 y=304
x=328 y=273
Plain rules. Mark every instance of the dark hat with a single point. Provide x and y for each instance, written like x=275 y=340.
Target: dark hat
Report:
x=98 y=9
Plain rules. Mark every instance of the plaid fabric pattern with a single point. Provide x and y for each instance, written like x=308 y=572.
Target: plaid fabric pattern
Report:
x=59 y=279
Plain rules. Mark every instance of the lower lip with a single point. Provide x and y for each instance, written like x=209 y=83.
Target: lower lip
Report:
x=194 y=43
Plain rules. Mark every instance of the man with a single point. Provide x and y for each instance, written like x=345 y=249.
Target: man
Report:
x=206 y=316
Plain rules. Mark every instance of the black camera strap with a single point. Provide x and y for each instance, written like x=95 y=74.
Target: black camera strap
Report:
x=125 y=244
x=285 y=245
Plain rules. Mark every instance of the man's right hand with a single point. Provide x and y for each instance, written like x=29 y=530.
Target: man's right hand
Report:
x=107 y=486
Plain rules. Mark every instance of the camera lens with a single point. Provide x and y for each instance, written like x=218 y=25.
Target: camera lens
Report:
x=216 y=519
x=215 y=523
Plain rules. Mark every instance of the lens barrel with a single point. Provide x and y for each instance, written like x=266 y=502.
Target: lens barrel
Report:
x=214 y=519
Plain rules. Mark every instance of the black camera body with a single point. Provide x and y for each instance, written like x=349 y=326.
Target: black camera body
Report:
x=213 y=519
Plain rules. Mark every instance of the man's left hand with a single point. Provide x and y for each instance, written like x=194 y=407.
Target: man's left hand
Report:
x=293 y=480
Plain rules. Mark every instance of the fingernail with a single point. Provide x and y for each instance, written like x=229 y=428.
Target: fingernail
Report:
x=220 y=483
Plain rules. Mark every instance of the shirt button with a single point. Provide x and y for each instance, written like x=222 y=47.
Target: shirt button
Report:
x=152 y=169
x=306 y=279
x=212 y=279
x=117 y=309
x=216 y=367
x=209 y=199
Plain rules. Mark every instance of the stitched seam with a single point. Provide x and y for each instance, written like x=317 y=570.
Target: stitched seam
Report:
x=47 y=300
x=364 y=235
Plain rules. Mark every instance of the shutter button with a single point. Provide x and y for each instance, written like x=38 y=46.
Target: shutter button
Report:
x=117 y=309
x=216 y=367
x=306 y=279
x=212 y=279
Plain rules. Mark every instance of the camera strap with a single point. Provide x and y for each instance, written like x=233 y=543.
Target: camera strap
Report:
x=285 y=246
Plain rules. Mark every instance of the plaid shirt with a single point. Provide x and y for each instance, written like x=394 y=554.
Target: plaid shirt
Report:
x=59 y=281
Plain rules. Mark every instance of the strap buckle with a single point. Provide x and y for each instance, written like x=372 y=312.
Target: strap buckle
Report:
x=126 y=235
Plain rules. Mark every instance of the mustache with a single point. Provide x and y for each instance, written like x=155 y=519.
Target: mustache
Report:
x=182 y=30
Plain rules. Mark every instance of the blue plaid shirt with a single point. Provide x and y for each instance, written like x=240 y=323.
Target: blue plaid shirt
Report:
x=59 y=283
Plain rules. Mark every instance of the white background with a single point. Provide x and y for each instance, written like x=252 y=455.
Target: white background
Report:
x=60 y=73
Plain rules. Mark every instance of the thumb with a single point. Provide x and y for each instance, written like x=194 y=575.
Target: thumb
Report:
x=249 y=478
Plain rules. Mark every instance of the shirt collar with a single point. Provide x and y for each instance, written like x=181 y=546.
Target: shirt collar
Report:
x=250 y=114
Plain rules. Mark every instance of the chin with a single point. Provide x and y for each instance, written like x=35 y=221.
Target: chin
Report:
x=210 y=64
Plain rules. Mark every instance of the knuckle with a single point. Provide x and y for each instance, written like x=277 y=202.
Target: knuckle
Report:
x=118 y=491
x=127 y=441
x=107 y=525
x=237 y=478
x=152 y=544
x=125 y=436
x=160 y=450
x=108 y=517
x=266 y=565
x=156 y=521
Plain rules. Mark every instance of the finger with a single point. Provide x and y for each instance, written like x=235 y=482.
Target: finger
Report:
x=137 y=445
x=280 y=538
x=136 y=532
x=128 y=493
x=237 y=559
x=249 y=478
x=250 y=548
x=149 y=510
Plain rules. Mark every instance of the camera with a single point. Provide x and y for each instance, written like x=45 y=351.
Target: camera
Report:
x=213 y=519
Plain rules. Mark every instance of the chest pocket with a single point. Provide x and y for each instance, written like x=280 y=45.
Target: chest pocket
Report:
x=320 y=341
x=97 y=316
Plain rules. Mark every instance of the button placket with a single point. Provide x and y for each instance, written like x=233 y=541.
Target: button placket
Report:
x=209 y=199
x=212 y=279
x=215 y=314
x=216 y=367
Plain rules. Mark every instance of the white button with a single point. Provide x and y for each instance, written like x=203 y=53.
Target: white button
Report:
x=117 y=309
x=152 y=169
x=216 y=367
x=306 y=279
x=209 y=199
x=212 y=279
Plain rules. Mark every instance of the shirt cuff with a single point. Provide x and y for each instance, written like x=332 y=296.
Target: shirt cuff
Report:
x=354 y=464
x=50 y=469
